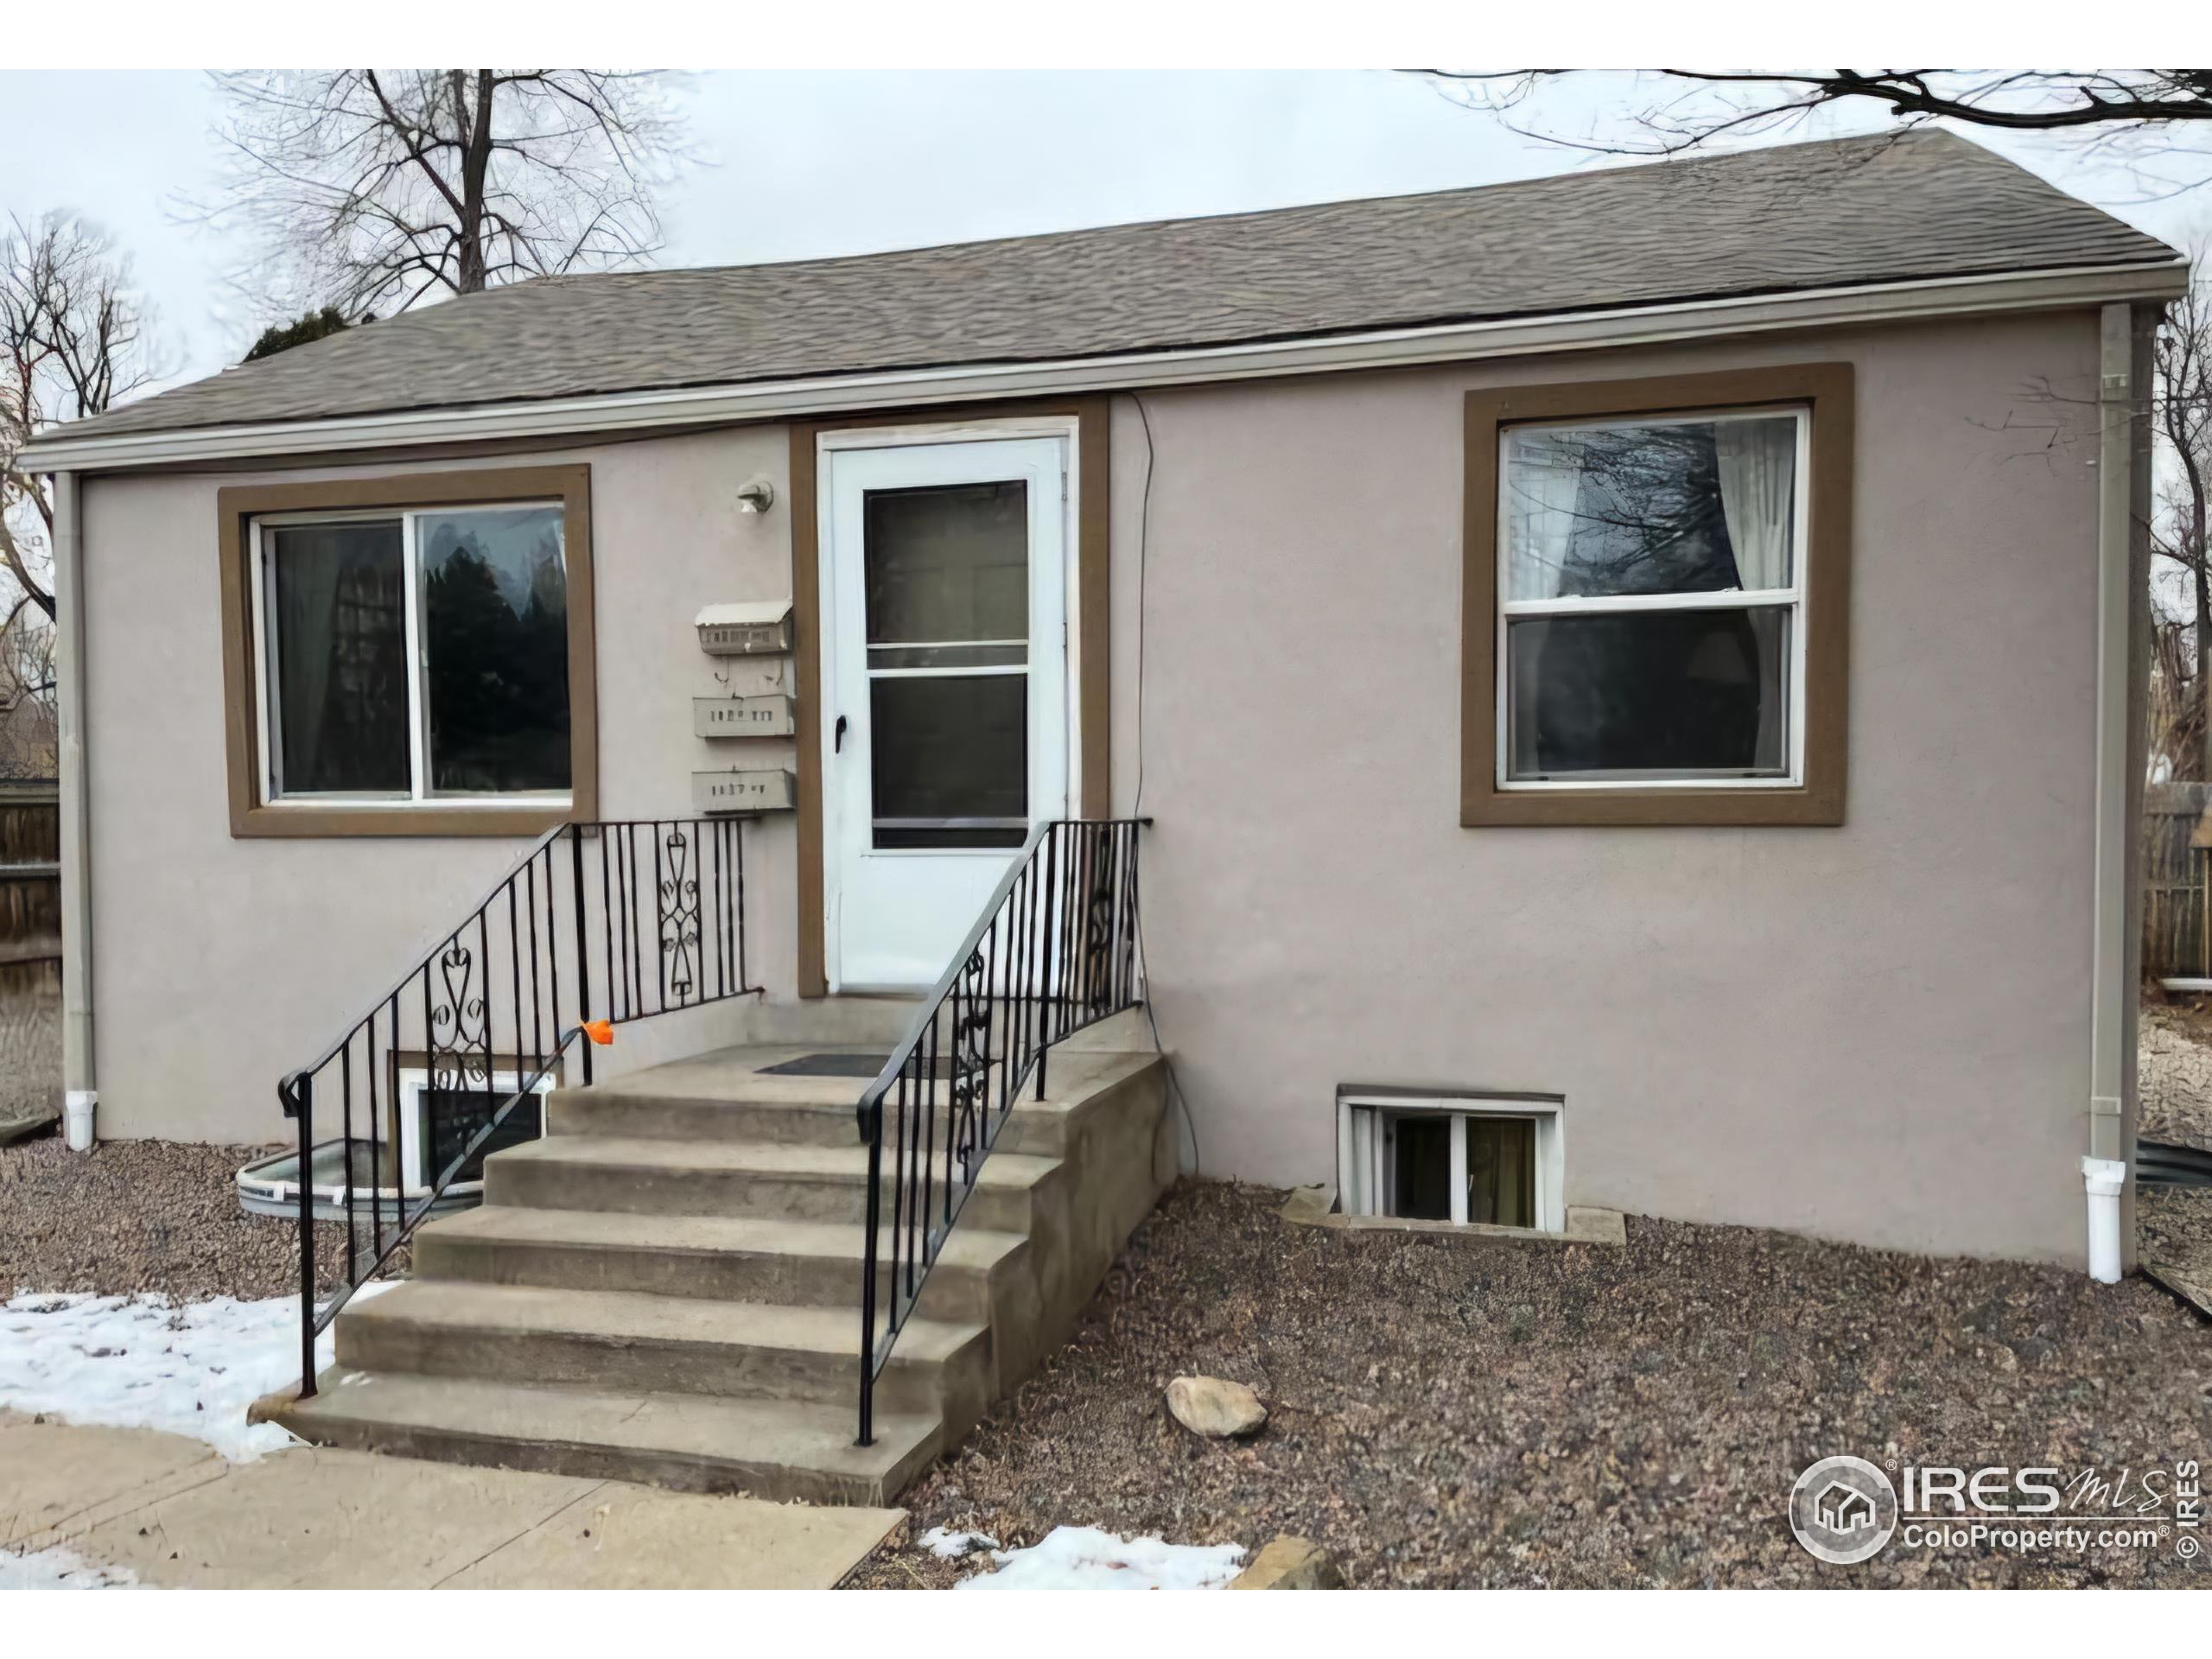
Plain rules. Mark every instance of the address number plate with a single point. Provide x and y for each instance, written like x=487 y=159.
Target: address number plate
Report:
x=744 y=639
x=745 y=789
x=770 y=715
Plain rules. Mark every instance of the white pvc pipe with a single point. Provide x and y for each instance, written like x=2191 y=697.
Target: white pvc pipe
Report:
x=2101 y=1178
x=78 y=1106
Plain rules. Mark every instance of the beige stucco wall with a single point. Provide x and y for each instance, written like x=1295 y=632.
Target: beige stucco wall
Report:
x=1879 y=1032
x=218 y=964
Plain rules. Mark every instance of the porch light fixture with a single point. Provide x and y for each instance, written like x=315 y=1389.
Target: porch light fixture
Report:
x=757 y=497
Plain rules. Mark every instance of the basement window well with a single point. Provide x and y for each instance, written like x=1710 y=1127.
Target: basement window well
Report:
x=1488 y=1159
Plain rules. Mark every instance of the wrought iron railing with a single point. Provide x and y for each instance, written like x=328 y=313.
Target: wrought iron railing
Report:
x=598 y=925
x=1054 y=951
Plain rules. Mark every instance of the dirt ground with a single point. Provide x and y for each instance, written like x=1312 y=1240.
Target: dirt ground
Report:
x=1449 y=1412
x=142 y=1215
x=2173 y=1054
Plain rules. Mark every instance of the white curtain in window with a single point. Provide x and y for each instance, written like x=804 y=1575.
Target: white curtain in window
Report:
x=1543 y=476
x=1758 y=466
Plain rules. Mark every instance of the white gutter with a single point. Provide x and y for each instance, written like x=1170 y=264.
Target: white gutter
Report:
x=79 y=1084
x=2115 y=944
x=1385 y=348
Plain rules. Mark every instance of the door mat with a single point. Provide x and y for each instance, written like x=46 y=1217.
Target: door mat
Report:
x=837 y=1066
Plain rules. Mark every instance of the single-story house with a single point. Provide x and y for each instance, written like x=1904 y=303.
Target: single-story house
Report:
x=1625 y=686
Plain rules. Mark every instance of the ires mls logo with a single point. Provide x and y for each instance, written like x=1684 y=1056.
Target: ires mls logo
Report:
x=1843 y=1510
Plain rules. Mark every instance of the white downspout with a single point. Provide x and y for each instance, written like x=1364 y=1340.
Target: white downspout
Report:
x=2115 y=948
x=80 y=1093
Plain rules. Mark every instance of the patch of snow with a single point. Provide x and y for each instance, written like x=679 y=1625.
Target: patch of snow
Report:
x=142 y=1362
x=60 y=1569
x=952 y=1546
x=1083 y=1558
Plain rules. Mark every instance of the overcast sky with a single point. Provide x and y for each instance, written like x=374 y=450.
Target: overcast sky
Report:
x=806 y=164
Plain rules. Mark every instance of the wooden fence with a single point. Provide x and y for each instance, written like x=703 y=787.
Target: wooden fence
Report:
x=2176 y=920
x=30 y=876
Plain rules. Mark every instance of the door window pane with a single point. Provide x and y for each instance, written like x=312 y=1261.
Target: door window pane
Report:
x=1680 y=693
x=950 y=757
x=337 y=630
x=948 y=561
x=1671 y=507
x=495 y=633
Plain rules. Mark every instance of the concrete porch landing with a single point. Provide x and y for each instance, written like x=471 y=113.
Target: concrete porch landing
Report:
x=666 y=1287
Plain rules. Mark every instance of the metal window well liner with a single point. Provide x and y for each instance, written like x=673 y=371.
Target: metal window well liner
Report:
x=270 y=1186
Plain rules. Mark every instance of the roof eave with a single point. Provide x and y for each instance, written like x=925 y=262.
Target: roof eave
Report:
x=553 y=419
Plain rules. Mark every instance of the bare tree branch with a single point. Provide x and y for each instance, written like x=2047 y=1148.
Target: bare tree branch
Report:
x=2136 y=118
x=70 y=344
x=378 y=188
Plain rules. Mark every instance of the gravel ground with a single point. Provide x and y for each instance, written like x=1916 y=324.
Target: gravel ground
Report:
x=1446 y=1412
x=2173 y=1232
x=135 y=1216
x=2173 y=1054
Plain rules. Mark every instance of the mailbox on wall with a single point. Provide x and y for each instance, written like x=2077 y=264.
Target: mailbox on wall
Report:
x=745 y=789
x=770 y=716
x=756 y=629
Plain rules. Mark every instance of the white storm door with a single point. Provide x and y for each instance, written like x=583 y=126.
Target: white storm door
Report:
x=944 y=717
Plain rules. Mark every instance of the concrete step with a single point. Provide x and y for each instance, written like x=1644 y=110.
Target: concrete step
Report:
x=878 y=1020
x=660 y=1344
x=736 y=1103
x=783 y=1450
x=733 y=1259
x=728 y=1095
x=715 y=1178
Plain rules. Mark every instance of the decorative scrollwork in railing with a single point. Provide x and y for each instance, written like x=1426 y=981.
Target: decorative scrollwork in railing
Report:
x=460 y=1037
x=677 y=891
x=490 y=1012
x=1054 y=951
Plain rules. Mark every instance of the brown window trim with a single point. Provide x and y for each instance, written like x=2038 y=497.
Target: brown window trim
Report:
x=252 y=816
x=1093 y=694
x=1828 y=389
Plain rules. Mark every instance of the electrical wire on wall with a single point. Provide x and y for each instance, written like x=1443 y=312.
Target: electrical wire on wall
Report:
x=1136 y=804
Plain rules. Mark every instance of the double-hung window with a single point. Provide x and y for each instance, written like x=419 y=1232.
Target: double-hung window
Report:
x=412 y=661
x=1653 y=603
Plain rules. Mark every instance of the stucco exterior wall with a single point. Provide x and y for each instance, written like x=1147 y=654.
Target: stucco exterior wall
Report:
x=219 y=966
x=1878 y=1032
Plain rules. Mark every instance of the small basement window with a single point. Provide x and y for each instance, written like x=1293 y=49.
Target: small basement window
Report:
x=436 y=1122
x=1488 y=1159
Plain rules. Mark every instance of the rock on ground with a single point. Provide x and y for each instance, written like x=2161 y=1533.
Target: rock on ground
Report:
x=1211 y=1407
x=1288 y=1563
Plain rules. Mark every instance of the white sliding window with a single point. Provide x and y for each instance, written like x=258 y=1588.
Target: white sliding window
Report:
x=413 y=656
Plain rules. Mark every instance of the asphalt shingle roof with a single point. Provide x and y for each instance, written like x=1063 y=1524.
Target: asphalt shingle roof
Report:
x=1841 y=213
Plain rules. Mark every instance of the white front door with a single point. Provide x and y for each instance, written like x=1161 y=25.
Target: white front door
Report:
x=944 y=709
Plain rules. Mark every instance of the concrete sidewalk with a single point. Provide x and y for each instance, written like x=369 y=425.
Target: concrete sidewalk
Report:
x=176 y=1515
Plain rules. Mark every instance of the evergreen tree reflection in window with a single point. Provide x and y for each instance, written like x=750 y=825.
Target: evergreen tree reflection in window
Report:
x=495 y=617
